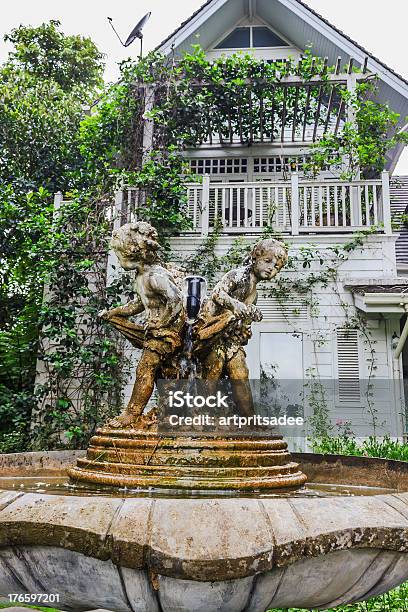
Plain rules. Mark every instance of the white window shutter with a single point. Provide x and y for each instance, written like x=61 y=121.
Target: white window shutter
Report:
x=348 y=366
x=294 y=311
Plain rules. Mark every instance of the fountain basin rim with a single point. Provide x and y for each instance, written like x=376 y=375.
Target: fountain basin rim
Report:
x=202 y=539
x=365 y=471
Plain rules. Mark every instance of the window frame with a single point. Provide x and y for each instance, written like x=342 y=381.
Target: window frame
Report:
x=251 y=27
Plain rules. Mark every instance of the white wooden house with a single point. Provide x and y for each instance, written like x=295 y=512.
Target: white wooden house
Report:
x=246 y=175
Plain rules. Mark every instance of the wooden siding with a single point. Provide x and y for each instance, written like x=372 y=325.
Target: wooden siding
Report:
x=399 y=206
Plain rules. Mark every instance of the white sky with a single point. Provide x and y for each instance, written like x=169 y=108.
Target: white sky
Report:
x=380 y=27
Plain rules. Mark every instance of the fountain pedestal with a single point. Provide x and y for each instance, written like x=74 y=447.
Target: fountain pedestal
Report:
x=144 y=459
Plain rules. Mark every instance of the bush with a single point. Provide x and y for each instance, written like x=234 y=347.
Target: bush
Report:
x=384 y=448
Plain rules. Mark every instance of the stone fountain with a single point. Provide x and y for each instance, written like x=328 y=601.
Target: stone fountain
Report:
x=132 y=451
x=155 y=519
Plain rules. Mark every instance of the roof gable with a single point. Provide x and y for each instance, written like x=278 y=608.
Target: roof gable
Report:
x=295 y=21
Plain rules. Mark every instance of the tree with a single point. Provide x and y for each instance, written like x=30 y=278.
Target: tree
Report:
x=44 y=85
x=39 y=123
x=46 y=53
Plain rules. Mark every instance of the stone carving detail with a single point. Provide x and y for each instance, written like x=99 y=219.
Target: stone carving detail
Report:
x=159 y=297
x=222 y=329
x=211 y=335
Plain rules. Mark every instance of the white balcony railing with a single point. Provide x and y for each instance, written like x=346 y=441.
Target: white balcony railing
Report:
x=293 y=207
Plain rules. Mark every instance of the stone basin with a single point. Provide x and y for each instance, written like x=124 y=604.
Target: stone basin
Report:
x=148 y=552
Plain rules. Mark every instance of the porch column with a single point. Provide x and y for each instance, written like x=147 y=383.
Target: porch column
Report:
x=295 y=203
x=386 y=204
x=58 y=199
x=148 y=123
x=113 y=267
x=118 y=210
x=205 y=206
x=355 y=198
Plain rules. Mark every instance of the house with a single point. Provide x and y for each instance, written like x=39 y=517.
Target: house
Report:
x=349 y=334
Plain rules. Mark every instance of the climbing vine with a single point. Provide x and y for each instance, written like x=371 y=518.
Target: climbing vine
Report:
x=309 y=269
x=361 y=146
x=81 y=369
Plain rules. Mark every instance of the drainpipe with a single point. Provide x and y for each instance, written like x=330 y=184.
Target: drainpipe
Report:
x=399 y=376
x=404 y=334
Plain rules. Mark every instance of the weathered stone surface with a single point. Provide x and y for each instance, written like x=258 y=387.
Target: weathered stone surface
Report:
x=46 y=463
x=365 y=471
x=187 y=595
x=210 y=539
x=73 y=523
x=366 y=577
x=321 y=582
x=8 y=497
x=392 y=578
x=288 y=531
x=138 y=587
x=84 y=582
x=130 y=532
x=163 y=554
x=205 y=539
x=138 y=458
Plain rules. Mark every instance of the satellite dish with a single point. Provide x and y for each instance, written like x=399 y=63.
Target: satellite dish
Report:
x=137 y=32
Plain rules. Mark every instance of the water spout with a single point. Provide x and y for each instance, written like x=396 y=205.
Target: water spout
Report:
x=195 y=294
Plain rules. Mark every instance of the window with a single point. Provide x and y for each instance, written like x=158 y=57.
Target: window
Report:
x=238 y=165
x=277 y=164
x=264 y=37
x=281 y=355
x=251 y=37
x=238 y=39
x=281 y=361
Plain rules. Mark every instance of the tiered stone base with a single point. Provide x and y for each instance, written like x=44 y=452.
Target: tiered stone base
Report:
x=144 y=459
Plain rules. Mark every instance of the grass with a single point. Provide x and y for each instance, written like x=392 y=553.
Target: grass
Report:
x=384 y=448
x=395 y=601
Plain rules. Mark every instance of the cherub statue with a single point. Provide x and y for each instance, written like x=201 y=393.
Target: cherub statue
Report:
x=224 y=325
x=159 y=297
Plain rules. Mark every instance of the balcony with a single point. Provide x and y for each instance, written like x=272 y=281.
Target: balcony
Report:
x=292 y=207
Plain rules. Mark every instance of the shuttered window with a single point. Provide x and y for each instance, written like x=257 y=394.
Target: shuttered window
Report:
x=348 y=369
x=294 y=310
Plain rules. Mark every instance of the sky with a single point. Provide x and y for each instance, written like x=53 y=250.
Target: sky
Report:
x=379 y=27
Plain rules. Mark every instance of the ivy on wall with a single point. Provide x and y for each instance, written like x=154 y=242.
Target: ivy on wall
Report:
x=310 y=269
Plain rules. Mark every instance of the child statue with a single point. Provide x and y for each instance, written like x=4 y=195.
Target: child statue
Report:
x=224 y=325
x=159 y=297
